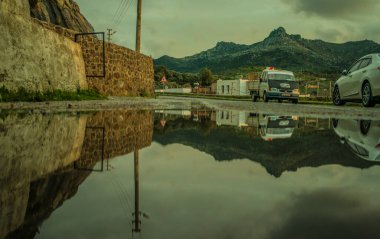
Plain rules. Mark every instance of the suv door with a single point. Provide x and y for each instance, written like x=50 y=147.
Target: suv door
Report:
x=346 y=87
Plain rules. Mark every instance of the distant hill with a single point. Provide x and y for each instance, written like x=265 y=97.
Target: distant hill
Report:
x=279 y=49
x=300 y=151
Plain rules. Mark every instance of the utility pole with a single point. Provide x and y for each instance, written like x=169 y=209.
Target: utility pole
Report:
x=137 y=221
x=138 y=26
x=110 y=32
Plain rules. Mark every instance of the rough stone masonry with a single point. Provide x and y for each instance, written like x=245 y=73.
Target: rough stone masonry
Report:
x=35 y=58
x=44 y=56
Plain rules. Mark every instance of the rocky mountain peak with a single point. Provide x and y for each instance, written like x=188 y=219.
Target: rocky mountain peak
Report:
x=65 y=13
x=222 y=45
x=279 y=32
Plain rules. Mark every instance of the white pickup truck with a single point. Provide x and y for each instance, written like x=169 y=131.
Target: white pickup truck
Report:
x=274 y=84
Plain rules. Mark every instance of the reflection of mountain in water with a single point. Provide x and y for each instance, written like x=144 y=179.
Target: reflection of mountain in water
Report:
x=228 y=143
x=39 y=154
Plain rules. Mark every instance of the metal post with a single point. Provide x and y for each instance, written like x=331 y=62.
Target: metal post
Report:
x=137 y=198
x=318 y=90
x=330 y=90
x=138 y=26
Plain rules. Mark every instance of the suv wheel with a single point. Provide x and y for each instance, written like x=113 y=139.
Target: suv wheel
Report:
x=365 y=125
x=367 y=95
x=336 y=97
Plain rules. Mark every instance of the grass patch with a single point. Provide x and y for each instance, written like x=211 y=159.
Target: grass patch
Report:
x=56 y=95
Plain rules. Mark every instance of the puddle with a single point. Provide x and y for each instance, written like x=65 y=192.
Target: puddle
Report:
x=188 y=174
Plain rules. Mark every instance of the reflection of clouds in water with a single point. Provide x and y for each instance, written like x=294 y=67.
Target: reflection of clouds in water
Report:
x=208 y=199
x=189 y=195
x=330 y=213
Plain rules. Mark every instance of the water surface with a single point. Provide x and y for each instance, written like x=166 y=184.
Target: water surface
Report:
x=188 y=174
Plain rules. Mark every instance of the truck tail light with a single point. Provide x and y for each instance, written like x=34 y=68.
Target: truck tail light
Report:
x=378 y=68
x=378 y=147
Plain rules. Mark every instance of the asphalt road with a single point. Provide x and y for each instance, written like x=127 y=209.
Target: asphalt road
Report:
x=172 y=103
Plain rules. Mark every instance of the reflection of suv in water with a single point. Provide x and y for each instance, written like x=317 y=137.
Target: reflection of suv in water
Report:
x=361 y=136
x=275 y=84
x=273 y=127
x=361 y=83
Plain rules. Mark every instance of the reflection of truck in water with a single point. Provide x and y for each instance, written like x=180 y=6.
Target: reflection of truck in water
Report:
x=272 y=127
x=274 y=84
x=361 y=136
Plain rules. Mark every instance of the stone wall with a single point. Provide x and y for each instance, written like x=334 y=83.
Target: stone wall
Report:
x=127 y=73
x=33 y=57
x=124 y=132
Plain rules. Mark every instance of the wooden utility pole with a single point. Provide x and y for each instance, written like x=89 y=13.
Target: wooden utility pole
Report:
x=137 y=220
x=138 y=26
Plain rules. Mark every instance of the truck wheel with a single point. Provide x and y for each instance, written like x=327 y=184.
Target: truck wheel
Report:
x=265 y=97
x=279 y=100
x=254 y=97
x=295 y=101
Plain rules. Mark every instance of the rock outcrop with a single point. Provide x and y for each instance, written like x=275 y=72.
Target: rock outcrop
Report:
x=65 y=13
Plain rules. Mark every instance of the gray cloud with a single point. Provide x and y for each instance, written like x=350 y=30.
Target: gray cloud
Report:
x=181 y=28
x=330 y=214
x=333 y=35
x=333 y=9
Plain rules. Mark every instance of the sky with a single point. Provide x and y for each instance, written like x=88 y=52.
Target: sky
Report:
x=181 y=28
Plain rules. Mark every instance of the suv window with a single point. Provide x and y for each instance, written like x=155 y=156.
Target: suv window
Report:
x=365 y=62
x=356 y=66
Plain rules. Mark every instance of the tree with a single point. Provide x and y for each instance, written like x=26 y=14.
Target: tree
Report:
x=206 y=77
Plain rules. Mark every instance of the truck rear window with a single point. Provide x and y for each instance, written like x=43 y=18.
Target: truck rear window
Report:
x=280 y=77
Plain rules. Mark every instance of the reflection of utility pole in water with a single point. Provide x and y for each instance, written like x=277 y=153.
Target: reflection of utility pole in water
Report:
x=137 y=221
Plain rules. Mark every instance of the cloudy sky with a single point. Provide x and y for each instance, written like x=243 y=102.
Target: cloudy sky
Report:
x=184 y=27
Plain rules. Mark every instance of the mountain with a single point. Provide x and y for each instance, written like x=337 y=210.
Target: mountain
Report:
x=229 y=143
x=65 y=13
x=279 y=49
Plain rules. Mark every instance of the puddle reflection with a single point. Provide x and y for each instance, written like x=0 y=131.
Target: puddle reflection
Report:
x=60 y=175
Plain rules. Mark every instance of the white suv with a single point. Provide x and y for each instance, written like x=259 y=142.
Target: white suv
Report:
x=361 y=83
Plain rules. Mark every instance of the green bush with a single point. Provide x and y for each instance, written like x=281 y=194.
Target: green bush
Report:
x=56 y=95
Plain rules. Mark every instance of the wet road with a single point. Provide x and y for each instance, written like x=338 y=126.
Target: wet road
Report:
x=170 y=103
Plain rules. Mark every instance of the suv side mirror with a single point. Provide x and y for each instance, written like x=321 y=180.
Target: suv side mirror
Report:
x=344 y=72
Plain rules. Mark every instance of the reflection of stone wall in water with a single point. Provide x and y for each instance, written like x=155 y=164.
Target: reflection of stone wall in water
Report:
x=42 y=198
x=38 y=153
x=125 y=131
x=33 y=146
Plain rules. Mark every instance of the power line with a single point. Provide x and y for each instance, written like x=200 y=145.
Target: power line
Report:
x=122 y=15
x=116 y=13
x=121 y=12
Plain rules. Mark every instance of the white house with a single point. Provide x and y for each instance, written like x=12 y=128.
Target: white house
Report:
x=231 y=118
x=232 y=87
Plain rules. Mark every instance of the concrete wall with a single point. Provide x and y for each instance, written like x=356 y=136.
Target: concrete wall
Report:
x=174 y=90
x=33 y=57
